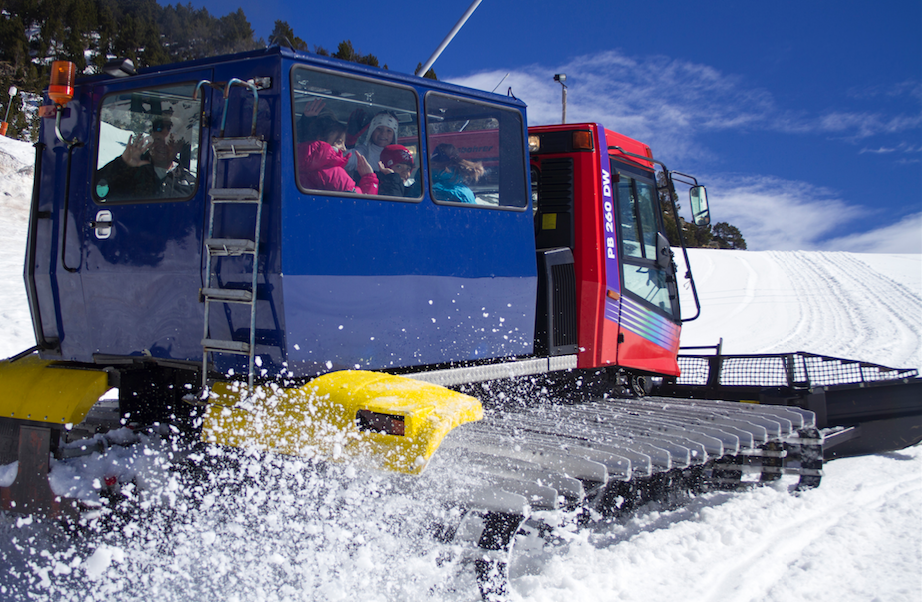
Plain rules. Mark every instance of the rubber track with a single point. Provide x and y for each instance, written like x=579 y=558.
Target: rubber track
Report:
x=590 y=454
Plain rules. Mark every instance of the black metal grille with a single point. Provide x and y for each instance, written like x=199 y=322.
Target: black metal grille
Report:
x=564 y=304
x=695 y=370
x=784 y=370
x=555 y=197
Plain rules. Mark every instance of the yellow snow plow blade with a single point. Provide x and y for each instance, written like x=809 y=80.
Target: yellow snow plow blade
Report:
x=33 y=389
x=385 y=421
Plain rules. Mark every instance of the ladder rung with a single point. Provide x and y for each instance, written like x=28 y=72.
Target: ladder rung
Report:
x=230 y=195
x=230 y=246
x=235 y=295
x=226 y=148
x=226 y=346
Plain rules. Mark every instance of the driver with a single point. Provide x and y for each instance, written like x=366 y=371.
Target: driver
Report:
x=148 y=168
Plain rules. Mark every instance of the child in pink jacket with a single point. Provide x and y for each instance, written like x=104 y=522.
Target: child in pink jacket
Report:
x=321 y=163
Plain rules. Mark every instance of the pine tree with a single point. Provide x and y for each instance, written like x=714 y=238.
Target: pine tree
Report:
x=429 y=74
x=728 y=236
x=235 y=33
x=283 y=34
x=14 y=46
x=669 y=221
x=347 y=52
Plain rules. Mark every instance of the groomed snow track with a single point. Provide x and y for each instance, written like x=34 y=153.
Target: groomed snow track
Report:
x=608 y=458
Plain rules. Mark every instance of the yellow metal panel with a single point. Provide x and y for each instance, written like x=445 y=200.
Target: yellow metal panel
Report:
x=319 y=418
x=31 y=390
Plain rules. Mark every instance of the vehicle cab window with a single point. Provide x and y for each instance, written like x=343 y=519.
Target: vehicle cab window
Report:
x=148 y=146
x=354 y=136
x=476 y=153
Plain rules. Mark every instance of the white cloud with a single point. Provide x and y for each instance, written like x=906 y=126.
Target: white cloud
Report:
x=662 y=101
x=864 y=125
x=783 y=215
x=778 y=214
x=668 y=102
x=671 y=103
x=904 y=236
x=911 y=88
x=903 y=147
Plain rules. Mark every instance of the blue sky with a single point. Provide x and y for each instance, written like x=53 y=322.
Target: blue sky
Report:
x=804 y=119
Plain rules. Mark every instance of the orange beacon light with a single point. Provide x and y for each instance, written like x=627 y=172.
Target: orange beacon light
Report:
x=61 y=91
x=61 y=86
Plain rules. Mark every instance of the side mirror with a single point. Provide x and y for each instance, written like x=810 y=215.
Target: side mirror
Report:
x=701 y=215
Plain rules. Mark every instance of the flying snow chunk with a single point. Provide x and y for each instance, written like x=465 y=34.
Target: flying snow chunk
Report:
x=8 y=474
x=101 y=560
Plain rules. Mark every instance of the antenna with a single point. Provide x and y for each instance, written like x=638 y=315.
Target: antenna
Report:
x=501 y=81
x=451 y=34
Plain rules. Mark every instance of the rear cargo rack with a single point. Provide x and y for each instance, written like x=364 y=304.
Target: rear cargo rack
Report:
x=864 y=407
x=797 y=370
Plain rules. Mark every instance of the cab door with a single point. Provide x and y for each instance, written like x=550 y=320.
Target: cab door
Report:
x=141 y=236
x=649 y=316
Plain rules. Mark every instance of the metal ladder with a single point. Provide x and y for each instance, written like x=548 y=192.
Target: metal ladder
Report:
x=228 y=149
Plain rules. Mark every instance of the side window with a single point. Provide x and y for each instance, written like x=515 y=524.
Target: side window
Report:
x=354 y=136
x=646 y=198
x=148 y=145
x=627 y=214
x=637 y=218
x=476 y=154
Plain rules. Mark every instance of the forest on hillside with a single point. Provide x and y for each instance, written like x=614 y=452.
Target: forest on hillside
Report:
x=33 y=33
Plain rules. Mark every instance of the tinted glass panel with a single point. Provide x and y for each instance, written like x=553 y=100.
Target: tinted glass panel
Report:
x=638 y=225
x=476 y=154
x=645 y=206
x=627 y=214
x=343 y=128
x=649 y=284
x=148 y=145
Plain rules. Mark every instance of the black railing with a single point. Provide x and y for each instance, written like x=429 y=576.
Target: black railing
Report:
x=797 y=370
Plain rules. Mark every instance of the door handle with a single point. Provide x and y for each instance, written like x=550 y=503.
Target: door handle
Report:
x=102 y=224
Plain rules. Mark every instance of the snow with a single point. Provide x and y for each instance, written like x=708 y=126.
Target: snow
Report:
x=285 y=529
x=858 y=306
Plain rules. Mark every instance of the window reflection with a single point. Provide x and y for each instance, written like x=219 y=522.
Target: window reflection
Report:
x=355 y=136
x=148 y=145
x=649 y=284
x=476 y=154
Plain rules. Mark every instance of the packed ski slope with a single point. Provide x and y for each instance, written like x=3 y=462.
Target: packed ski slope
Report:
x=856 y=306
x=289 y=531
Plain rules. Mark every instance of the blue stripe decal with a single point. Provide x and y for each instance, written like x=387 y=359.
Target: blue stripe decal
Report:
x=647 y=324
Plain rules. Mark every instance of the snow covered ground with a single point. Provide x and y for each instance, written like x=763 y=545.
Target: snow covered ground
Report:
x=299 y=533
x=859 y=306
